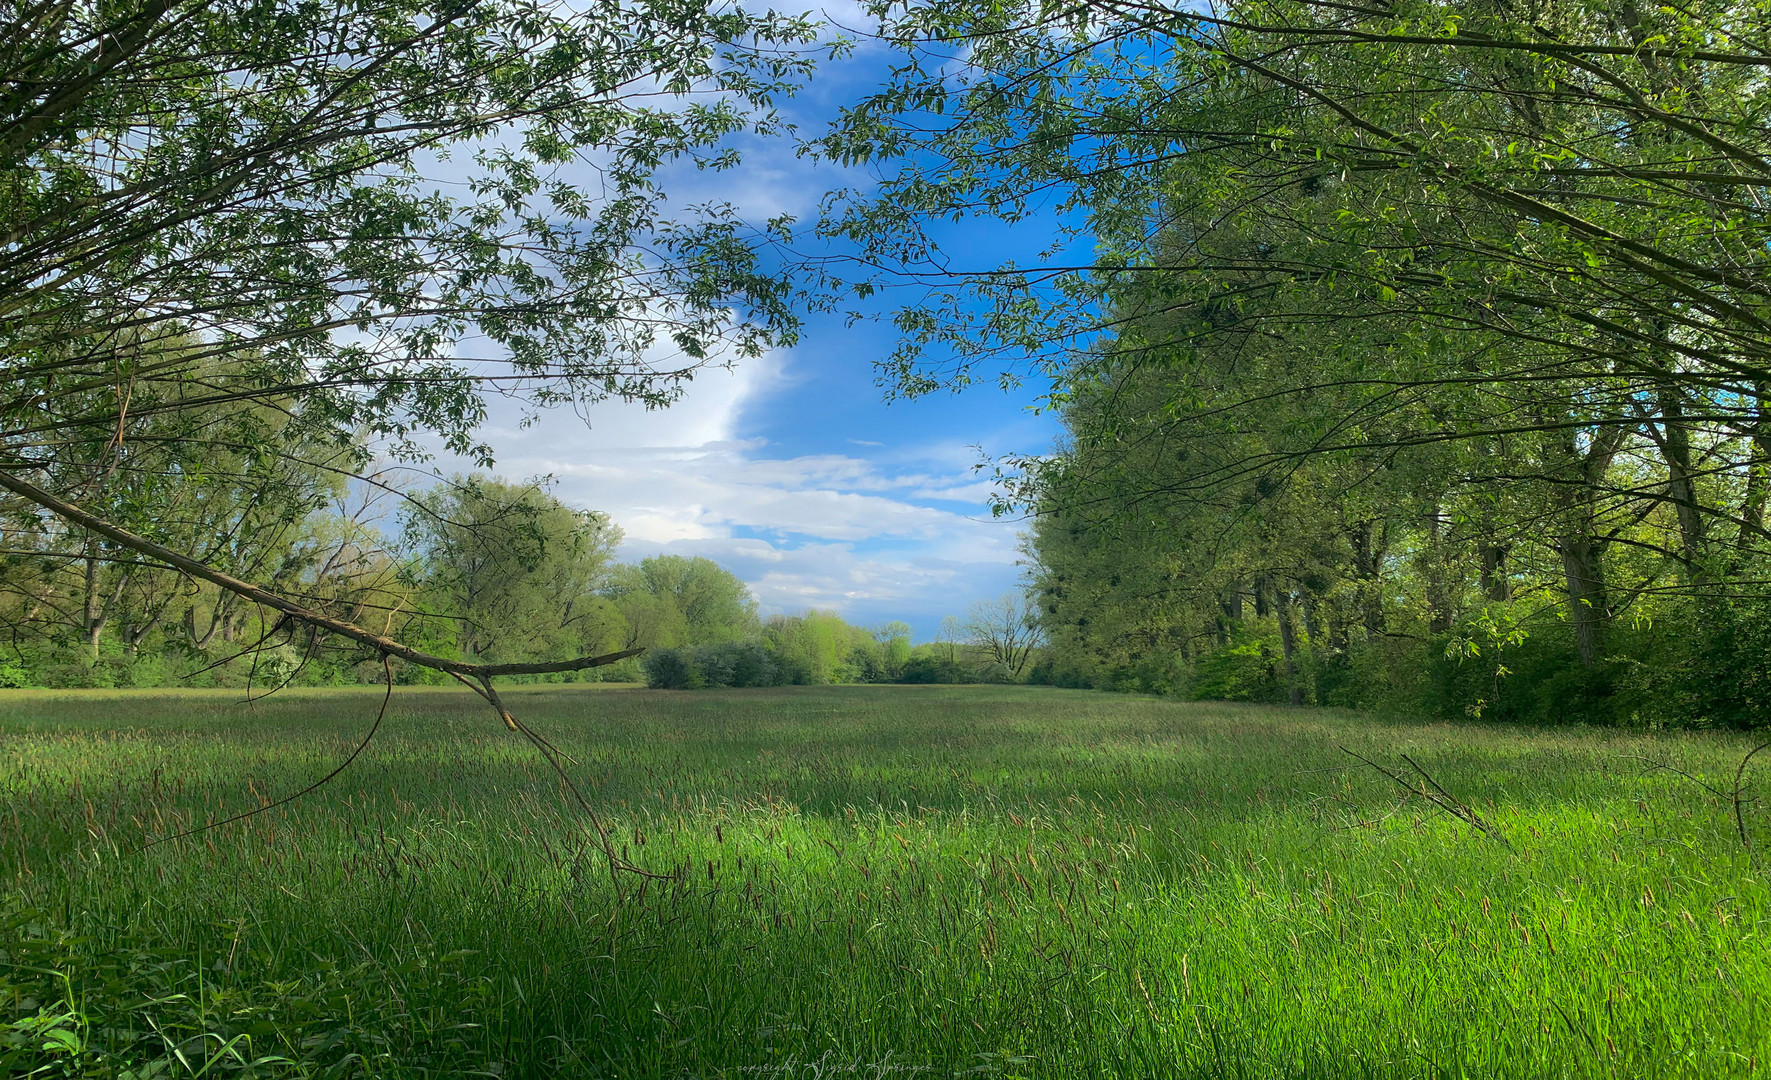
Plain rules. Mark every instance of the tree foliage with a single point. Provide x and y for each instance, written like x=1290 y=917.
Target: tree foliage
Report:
x=672 y=600
x=519 y=574
x=1419 y=322
x=314 y=231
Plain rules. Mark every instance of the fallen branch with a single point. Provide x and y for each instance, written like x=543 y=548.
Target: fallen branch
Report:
x=1437 y=796
x=1739 y=817
x=1732 y=795
x=1653 y=763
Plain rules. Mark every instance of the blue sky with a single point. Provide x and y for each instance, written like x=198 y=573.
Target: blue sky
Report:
x=791 y=470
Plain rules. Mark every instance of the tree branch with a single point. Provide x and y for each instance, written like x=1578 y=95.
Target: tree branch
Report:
x=187 y=565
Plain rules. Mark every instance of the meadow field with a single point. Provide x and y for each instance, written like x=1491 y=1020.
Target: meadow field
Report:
x=867 y=881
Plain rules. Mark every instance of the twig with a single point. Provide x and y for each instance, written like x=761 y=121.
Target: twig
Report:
x=1469 y=812
x=1438 y=796
x=1740 y=818
x=387 y=669
x=1653 y=764
x=553 y=754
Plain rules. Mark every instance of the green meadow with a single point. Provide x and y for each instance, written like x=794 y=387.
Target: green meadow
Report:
x=867 y=881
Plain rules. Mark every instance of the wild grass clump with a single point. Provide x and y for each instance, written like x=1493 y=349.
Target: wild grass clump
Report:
x=879 y=881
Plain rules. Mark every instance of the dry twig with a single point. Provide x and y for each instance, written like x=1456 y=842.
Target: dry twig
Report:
x=387 y=669
x=1430 y=790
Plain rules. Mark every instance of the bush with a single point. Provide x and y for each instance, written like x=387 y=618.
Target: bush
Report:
x=712 y=667
x=927 y=670
x=749 y=664
x=734 y=663
x=864 y=666
x=1712 y=669
x=1247 y=668
x=670 y=669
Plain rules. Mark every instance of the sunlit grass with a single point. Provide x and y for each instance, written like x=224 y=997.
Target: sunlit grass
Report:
x=868 y=881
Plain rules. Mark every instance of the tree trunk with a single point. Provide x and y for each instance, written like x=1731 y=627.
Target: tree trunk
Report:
x=1672 y=436
x=190 y=625
x=1586 y=596
x=1368 y=562
x=1581 y=545
x=1495 y=583
x=1337 y=629
x=1758 y=475
x=1288 y=639
x=150 y=617
x=91 y=624
x=96 y=610
x=1439 y=613
x=1312 y=617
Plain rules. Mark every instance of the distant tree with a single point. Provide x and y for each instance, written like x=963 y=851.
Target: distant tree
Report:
x=671 y=600
x=670 y=669
x=1006 y=630
x=950 y=636
x=928 y=665
x=517 y=572
x=818 y=646
x=894 y=647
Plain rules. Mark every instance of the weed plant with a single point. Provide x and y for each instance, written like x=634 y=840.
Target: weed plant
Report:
x=866 y=881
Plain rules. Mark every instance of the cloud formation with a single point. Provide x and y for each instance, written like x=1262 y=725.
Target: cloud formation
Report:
x=904 y=532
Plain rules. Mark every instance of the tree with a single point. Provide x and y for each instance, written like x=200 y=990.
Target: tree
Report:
x=518 y=572
x=237 y=485
x=671 y=600
x=949 y=636
x=1424 y=245
x=894 y=643
x=1007 y=630
x=818 y=647
x=209 y=205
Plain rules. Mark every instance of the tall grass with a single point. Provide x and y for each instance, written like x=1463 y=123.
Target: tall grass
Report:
x=866 y=881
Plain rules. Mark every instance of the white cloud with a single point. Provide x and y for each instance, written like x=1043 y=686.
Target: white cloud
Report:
x=918 y=586
x=706 y=414
x=826 y=530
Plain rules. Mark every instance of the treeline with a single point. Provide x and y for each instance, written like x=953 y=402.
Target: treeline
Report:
x=996 y=644
x=1543 y=576
x=476 y=568
x=1422 y=360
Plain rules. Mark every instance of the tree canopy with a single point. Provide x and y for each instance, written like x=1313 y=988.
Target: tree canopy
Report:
x=318 y=232
x=1389 y=319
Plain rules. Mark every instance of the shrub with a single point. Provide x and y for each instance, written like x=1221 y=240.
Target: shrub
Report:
x=1247 y=668
x=863 y=666
x=929 y=669
x=669 y=669
x=750 y=664
x=1713 y=669
x=712 y=667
